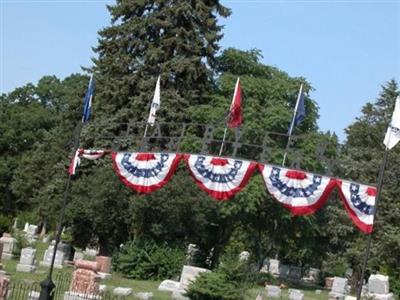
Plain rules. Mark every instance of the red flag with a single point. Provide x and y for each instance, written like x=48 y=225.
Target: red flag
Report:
x=235 y=112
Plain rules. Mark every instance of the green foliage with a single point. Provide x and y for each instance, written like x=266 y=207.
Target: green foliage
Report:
x=229 y=281
x=5 y=223
x=21 y=242
x=145 y=259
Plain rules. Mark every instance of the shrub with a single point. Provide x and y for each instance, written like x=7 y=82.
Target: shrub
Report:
x=228 y=282
x=5 y=223
x=145 y=259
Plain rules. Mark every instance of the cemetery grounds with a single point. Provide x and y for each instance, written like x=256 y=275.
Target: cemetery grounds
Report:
x=30 y=281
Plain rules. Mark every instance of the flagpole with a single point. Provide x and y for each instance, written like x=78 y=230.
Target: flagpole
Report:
x=369 y=242
x=145 y=130
x=292 y=124
x=47 y=285
x=227 y=119
x=223 y=141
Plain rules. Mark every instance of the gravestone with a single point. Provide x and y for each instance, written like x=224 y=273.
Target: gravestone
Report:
x=121 y=291
x=85 y=281
x=90 y=252
x=264 y=268
x=284 y=271
x=31 y=233
x=274 y=267
x=9 y=244
x=313 y=275
x=48 y=255
x=104 y=266
x=188 y=275
x=27 y=260
x=339 y=288
x=294 y=273
x=244 y=256
x=295 y=294
x=26 y=226
x=4 y=284
x=273 y=291
x=378 y=287
x=78 y=255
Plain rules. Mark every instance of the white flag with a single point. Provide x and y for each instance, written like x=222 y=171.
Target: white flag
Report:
x=392 y=136
x=155 y=104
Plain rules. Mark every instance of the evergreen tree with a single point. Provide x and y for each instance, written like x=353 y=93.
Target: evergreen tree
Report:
x=362 y=158
x=175 y=39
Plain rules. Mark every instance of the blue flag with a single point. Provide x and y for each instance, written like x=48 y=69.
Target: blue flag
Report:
x=87 y=106
x=300 y=111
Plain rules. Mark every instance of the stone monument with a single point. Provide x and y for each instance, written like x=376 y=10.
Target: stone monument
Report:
x=27 y=260
x=178 y=288
x=378 y=287
x=273 y=291
x=104 y=263
x=9 y=244
x=4 y=284
x=340 y=288
x=273 y=268
x=85 y=281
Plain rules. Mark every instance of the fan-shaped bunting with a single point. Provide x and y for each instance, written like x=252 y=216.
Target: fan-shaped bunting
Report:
x=301 y=192
x=220 y=177
x=359 y=201
x=145 y=172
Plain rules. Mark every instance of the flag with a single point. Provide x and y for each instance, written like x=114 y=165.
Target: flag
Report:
x=392 y=136
x=87 y=106
x=235 y=112
x=155 y=104
x=299 y=111
x=88 y=154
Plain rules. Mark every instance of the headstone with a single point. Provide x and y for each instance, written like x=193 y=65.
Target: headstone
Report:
x=284 y=271
x=244 y=256
x=85 y=279
x=274 y=266
x=90 y=252
x=27 y=260
x=318 y=292
x=4 y=284
x=104 y=264
x=189 y=275
x=102 y=288
x=121 y=291
x=350 y=298
x=8 y=246
x=48 y=255
x=168 y=286
x=313 y=275
x=328 y=282
x=15 y=224
x=339 y=288
x=295 y=294
x=26 y=227
x=273 y=291
x=78 y=255
x=378 y=287
x=32 y=229
x=144 y=295
x=264 y=268
x=295 y=273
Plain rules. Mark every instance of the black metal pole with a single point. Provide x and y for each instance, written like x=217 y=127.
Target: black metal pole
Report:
x=47 y=285
x=369 y=242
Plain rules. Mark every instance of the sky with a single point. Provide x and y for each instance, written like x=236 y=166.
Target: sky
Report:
x=346 y=49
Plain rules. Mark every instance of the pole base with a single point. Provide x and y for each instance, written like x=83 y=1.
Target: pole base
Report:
x=47 y=291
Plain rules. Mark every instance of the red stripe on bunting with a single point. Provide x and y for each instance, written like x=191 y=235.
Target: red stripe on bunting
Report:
x=221 y=195
x=366 y=228
x=142 y=188
x=302 y=210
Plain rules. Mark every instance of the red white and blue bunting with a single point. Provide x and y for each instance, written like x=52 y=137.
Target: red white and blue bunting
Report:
x=85 y=153
x=301 y=192
x=359 y=201
x=220 y=177
x=145 y=172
